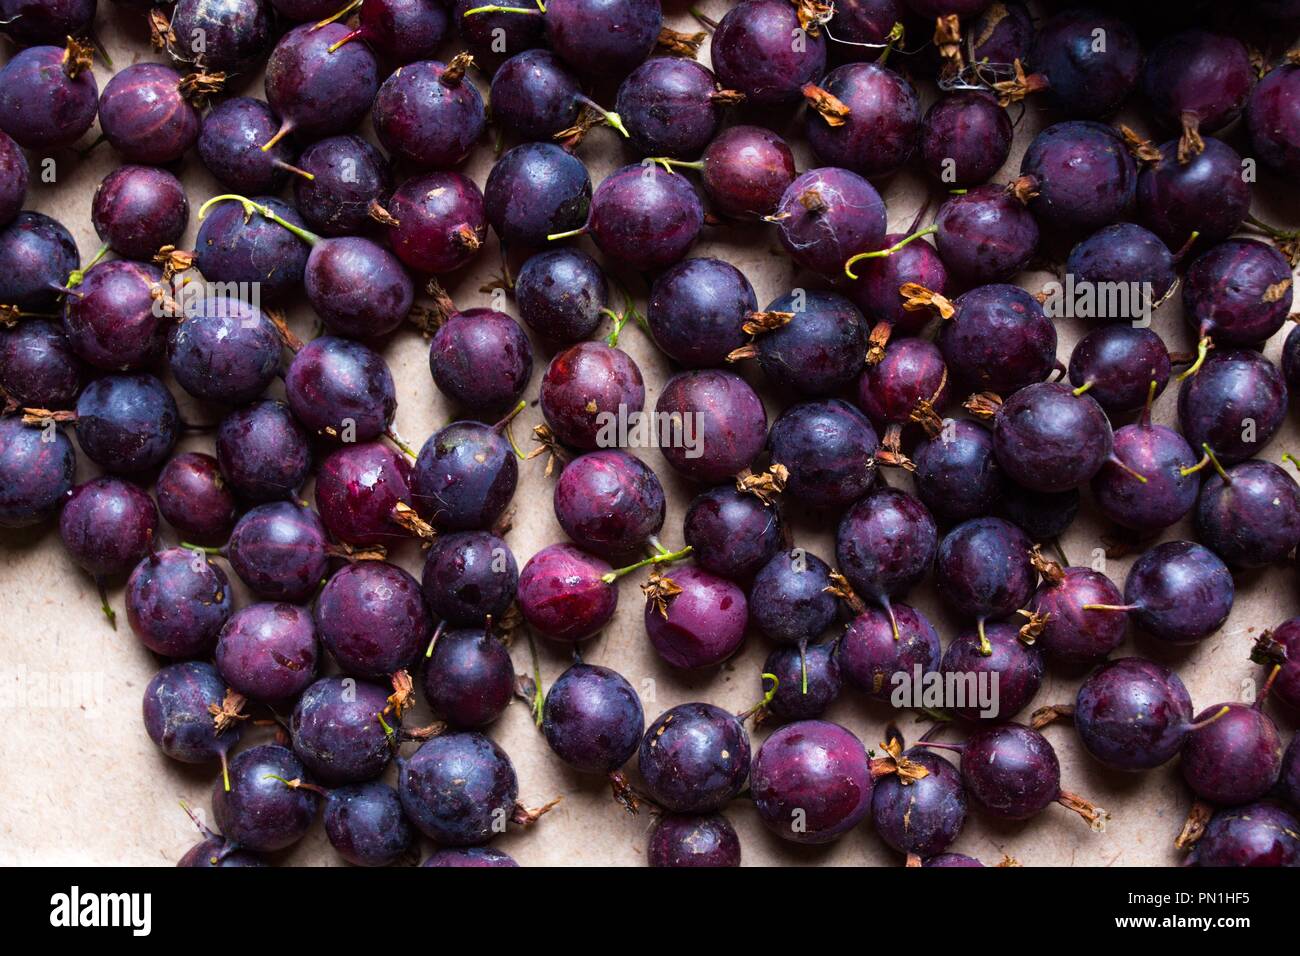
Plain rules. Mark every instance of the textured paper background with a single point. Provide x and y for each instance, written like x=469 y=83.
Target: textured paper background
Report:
x=82 y=783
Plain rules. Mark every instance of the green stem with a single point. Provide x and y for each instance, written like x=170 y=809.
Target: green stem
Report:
x=1202 y=350
x=881 y=253
x=610 y=118
x=499 y=8
x=661 y=558
x=1082 y=388
x=338 y=16
x=668 y=163
x=402 y=446
x=202 y=549
x=77 y=276
x=580 y=231
x=538 y=706
x=437 y=633
x=266 y=212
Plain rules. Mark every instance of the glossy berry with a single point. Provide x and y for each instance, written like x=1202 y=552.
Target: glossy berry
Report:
x=137 y=209
x=341 y=389
x=260 y=811
x=1179 y=592
x=885 y=544
x=922 y=817
x=592 y=719
x=1087 y=79
x=493 y=36
x=458 y=788
x=1273 y=132
x=1238 y=293
x=819 y=350
x=268 y=652
x=732 y=533
x=828 y=448
x=402 y=31
x=1049 y=439
x=35 y=473
x=464 y=477
x=348 y=174
x=1208 y=194
x=372 y=618
x=999 y=339
x=1198 y=81
x=481 y=359
x=728 y=420
x=694 y=758
x=696 y=310
x=957 y=476
x=1234 y=403
x=752 y=52
x=111 y=317
x=441 y=222
x=108 y=525
x=746 y=171
x=562 y=596
x=912 y=372
x=700 y=626
x=1117 y=363
x=986 y=234
x=561 y=294
x=315 y=91
x=38 y=368
x=230 y=146
x=1258 y=834
x=176 y=716
x=365 y=823
x=982 y=569
x=1234 y=758
x=1012 y=772
x=36 y=256
x=337 y=730
x=584 y=387
x=428 y=114
x=194 y=499
x=811 y=782
x=645 y=218
x=469 y=576
x=1083 y=175
x=1164 y=460
x=1132 y=714
x=251 y=250
x=876 y=289
x=48 y=98
x=603 y=37
x=789 y=700
x=997 y=653
x=964 y=139
x=534 y=191
x=145 y=116
x=1127 y=255
x=1071 y=633
x=263 y=451
x=609 y=502
x=177 y=602
x=534 y=95
x=827 y=215
x=127 y=423
x=880 y=132
x=361 y=491
x=1249 y=516
x=880 y=645
x=224 y=350
x=791 y=604
x=671 y=107
x=468 y=678
x=473 y=856
x=707 y=840
x=278 y=550
x=226 y=36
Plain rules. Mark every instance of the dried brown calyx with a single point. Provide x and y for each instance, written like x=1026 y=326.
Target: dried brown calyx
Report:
x=984 y=405
x=947 y=39
x=404 y=516
x=465 y=238
x=917 y=298
x=198 y=86
x=624 y=793
x=78 y=57
x=403 y=695
x=766 y=485
x=1024 y=188
x=1190 y=144
x=550 y=446
x=1277 y=291
x=227 y=713
x=277 y=319
x=350 y=552
x=726 y=98
x=659 y=591
x=830 y=107
x=1033 y=626
x=754 y=325
x=878 y=339
x=1050 y=715
x=588 y=119
x=812 y=201
x=893 y=762
x=675 y=43
x=1052 y=572
x=9 y=315
x=1019 y=86
x=381 y=215
x=812 y=14
x=840 y=588
x=1198 y=817
x=1143 y=150
x=456 y=69
x=40 y=416
x=173 y=261
x=429 y=319
x=1095 y=816
x=161 y=34
x=1008 y=862
x=525 y=817
x=1268 y=651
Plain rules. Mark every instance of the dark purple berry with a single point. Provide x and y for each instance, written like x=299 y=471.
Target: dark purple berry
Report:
x=828 y=449
x=827 y=215
x=609 y=502
x=1209 y=194
x=268 y=652
x=1250 y=514
x=493 y=36
x=1239 y=293
x=694 y=758
x=46 y=21
x=341 y=389
x=886 y=544
x=999 y=339
x=402 y=31
x=819 y=350
x=464 y=477
x=224 y=350
x=137 y=209
x=428 y=114
x=536 y=190
x=48 y=97
x=469 y=577
x=177 y=602
x=1234 y=403
x=259 y=811
x=562 y=295
x=481 y=359
x=1086 y=78
x=219 y=36
x=965 y=138
x=176 y=715
x=263 y=451
x=108 y=525
x=746 y=171
x=318 y=91
x=38 y=368
x=1179 y=592
x=441 y=222
x=348 y=174
x=791 y=603
x=919 y=816
x=459 y=789
x=372 y=618
x=602 y=38
x=1132 y=714
x=1274 y=135
x=732 y=533
x=279 y=551
x=644 y=217
x=1117 y=364
x=983 y=569
x=341 y=730
x=790 y=701
x=562 y=595
x=1233 y=756
x=957 y=476
x=697 y=309
x=365 y=822
x=585 y=388
x=1083 y=177
x=111 y=317
x=236 y=244
x=194 y=499
x=230 y=146
x=986 y=234
x=999 y=656
x=754 y=50
x=1198 y=81
x=146 y=117
x=364 y=494
x=468 y=678
x=671 y=107
x=36 y=471
x=881 y=648
x=592 y=719
x=811 y=782
x=127 y=423
x=1069 y=632
x=1048 y=438
x=535 y=96
x=701 y=625
x=707 y=840
x=1122 y=256
x=880 y=131
x=1259 y=834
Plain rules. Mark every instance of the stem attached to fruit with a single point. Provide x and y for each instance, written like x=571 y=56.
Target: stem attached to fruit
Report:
x=881 y=253
x=266 y=212
x=659 y=558
x=668 y=163
x=1202 y=350
x=77 y=276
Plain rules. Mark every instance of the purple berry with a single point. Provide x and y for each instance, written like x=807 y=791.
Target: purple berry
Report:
x=828 y=448
x=1123 y=255
x=111 y=317
x=790 y=601
x=732 y=533
x=811 y=782
x=827 y=215
x=469 y=680
x=38 y=368
x=1259 y=834
x=459 y=789
x=1179 y=592
x=897 y=390
x=225 y=36
x=318 y=91
x=696 y=311
x=592 y=719
x=263 y=451
x=561 y=295
x=986 y=234
x=1132 y=714
x=1087 y=79
x=790 y=701
x=746 y=171
x=144 y=114
x=609 y=502
x=348 y=175
x=999 y=339
x=268 y=652
x=46 y=21
x=176 y=715
x=1198 y=81
x=493 y=36
x=644 y=217
x=372 y=618
x=441 y=222
x=341 y=389
x=957 y=476
x=224 y=350
x=239 y=245
x=427 y=114
x=1233 y=756
x=127 y=423
x=230 y=146
x=535 y=96
x=562 y=596
x=464 y=477
x=259 y=811
x=886 y=544
x=1250 y=514
x=1117 y=364
x=364 y=494
x=818 y=350
x=707 y=840
x=1208 y=194
x=671 y=107
x=137 y=209
x=14 y=177
x=37 y=255
x=919 y=817
x=402 y=31
x=965 y=138
x=753 y=52
x=279 y=551
x=364 y=822
x=584 y=386
x=36 y=471
x=108 y=526
x=880 y=131
x=1235 y=404
x=1274 y=135
x=177 y=603
x=48 y=97
x=534 y=191
x=880 y=645
x=481 y=359
x=193 y=498
x=1049 y=439
x=694 y=758
x=1000 y=654
x=473 y=856
x=1239 y=293
x=1070 y=633
x=340 y=729
x=877 y=289
x=601 y=38
x=983 y=569
x=699 y=626
x=469 y=577
x=1083 y=175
